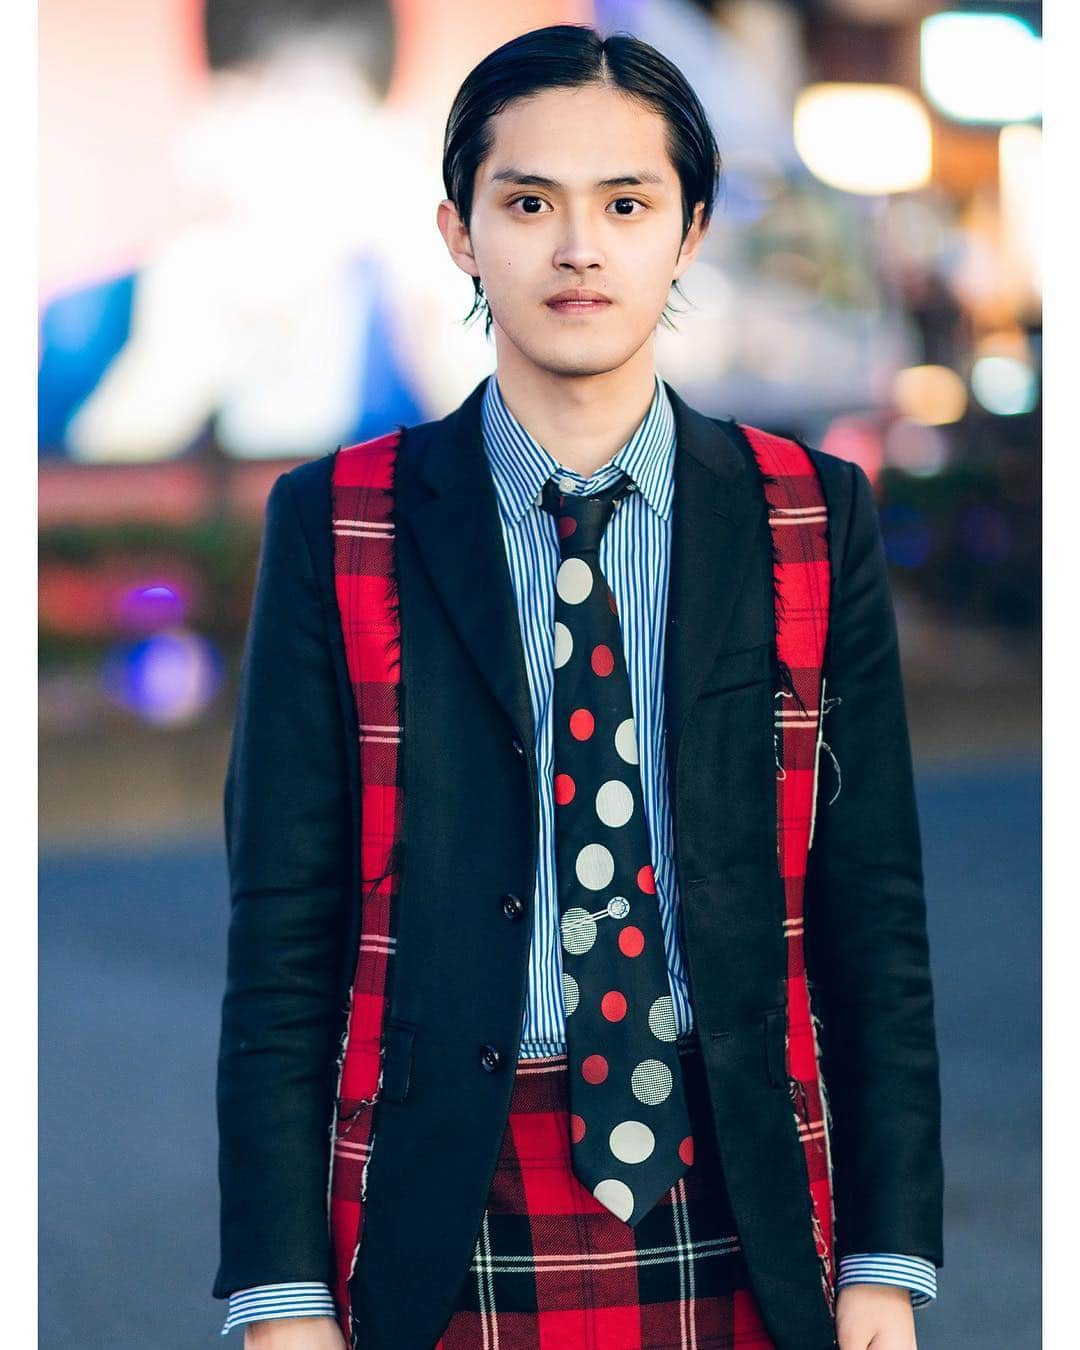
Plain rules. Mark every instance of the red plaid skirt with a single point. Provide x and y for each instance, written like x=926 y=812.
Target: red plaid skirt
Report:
x=554 y=1270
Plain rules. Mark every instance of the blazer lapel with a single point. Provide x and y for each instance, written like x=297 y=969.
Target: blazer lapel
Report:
x=454 y=516
x=718 y=512
x=452 y=510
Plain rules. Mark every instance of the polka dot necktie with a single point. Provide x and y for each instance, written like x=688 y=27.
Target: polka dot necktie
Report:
x=630 y=1128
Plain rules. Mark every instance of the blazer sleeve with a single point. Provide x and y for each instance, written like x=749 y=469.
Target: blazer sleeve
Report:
x=867 y=946
x=286 y=805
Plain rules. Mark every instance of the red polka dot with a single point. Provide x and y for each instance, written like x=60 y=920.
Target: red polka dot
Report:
x=567 y=525
x=686 y=1150
x=603 y=663
x=631 y=941
x=594 y=1068
x=577 y=1129
x=613 y=1005
x=646 y=880
x=611 y=602
x=582 y=724
x=564 y=789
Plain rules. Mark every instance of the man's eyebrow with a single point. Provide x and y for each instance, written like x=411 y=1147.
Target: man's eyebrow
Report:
x=522 y=179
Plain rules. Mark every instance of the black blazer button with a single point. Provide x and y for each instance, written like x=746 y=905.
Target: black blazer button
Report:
x=519 y=749
x=491 y=1058
x=513 y=906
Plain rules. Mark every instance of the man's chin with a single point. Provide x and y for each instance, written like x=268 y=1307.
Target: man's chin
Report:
x=579 y=363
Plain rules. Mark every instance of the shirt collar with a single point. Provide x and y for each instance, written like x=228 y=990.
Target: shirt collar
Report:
x=520 y=465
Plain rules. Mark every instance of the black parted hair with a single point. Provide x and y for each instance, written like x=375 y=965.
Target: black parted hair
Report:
x=568 y=56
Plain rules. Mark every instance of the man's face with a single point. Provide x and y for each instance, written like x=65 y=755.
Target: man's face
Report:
x=577 y=229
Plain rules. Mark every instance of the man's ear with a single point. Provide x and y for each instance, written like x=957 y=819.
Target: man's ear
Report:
x=456 y=237
x=690 y=245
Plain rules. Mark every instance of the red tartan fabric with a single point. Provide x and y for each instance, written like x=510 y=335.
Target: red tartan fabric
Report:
x=366 y=592
x=554 y=1268
x=798 y=526
x=366 y=595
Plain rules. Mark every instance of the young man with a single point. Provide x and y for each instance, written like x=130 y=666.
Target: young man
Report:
x=586 y=793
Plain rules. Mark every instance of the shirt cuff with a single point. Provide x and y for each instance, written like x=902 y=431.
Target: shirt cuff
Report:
x=294 y=1298
x=312 y=1298
x=912 y=1272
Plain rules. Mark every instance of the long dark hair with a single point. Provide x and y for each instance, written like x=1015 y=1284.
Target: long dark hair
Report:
x=566 y=56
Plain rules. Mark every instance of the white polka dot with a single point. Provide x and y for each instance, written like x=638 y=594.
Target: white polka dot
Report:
x=632 y=1141
x=651 y=1082
x=570 y=992
x=564 y=644
x=595 y=866
x=662 y=1018
x=614 y=803
x=626 y=741
x=578 y=929
x=574 y=580
x=616 y=1196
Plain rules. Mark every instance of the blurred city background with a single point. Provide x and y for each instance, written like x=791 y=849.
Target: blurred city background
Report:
x=239 y=269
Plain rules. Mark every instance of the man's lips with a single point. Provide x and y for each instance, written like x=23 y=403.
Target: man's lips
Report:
x=571 y=302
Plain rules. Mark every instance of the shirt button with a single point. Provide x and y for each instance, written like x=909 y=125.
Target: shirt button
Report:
x=566 y=484
x=513 y=906
x=519 y=749
x=491 y=1058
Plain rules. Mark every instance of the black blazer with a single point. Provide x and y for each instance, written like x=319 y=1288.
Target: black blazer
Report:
x=460 y=969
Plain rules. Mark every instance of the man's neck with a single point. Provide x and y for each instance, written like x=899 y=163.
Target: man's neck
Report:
x=581 y=420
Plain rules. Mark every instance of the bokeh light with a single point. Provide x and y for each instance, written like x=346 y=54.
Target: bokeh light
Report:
x=1020 y=162
x=916 y=448
x=982 y=67
x=865 y=138
x=857 y=439
x=167 y=680
x=152 y=605
x=906 y=535
x=934 y=395
x=1004 y=385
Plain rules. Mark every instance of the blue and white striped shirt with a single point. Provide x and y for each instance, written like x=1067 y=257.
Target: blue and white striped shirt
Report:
x=635 y=552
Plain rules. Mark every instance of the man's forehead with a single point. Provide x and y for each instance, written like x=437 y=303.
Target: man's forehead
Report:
x=566 y=149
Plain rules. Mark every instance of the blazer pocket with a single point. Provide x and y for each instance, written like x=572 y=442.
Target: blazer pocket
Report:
x=397 y=1059
x=740 y=669
x=774 y=1024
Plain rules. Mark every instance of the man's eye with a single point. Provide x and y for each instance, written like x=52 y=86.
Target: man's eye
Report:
x=540 y=200
x=528 y=202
